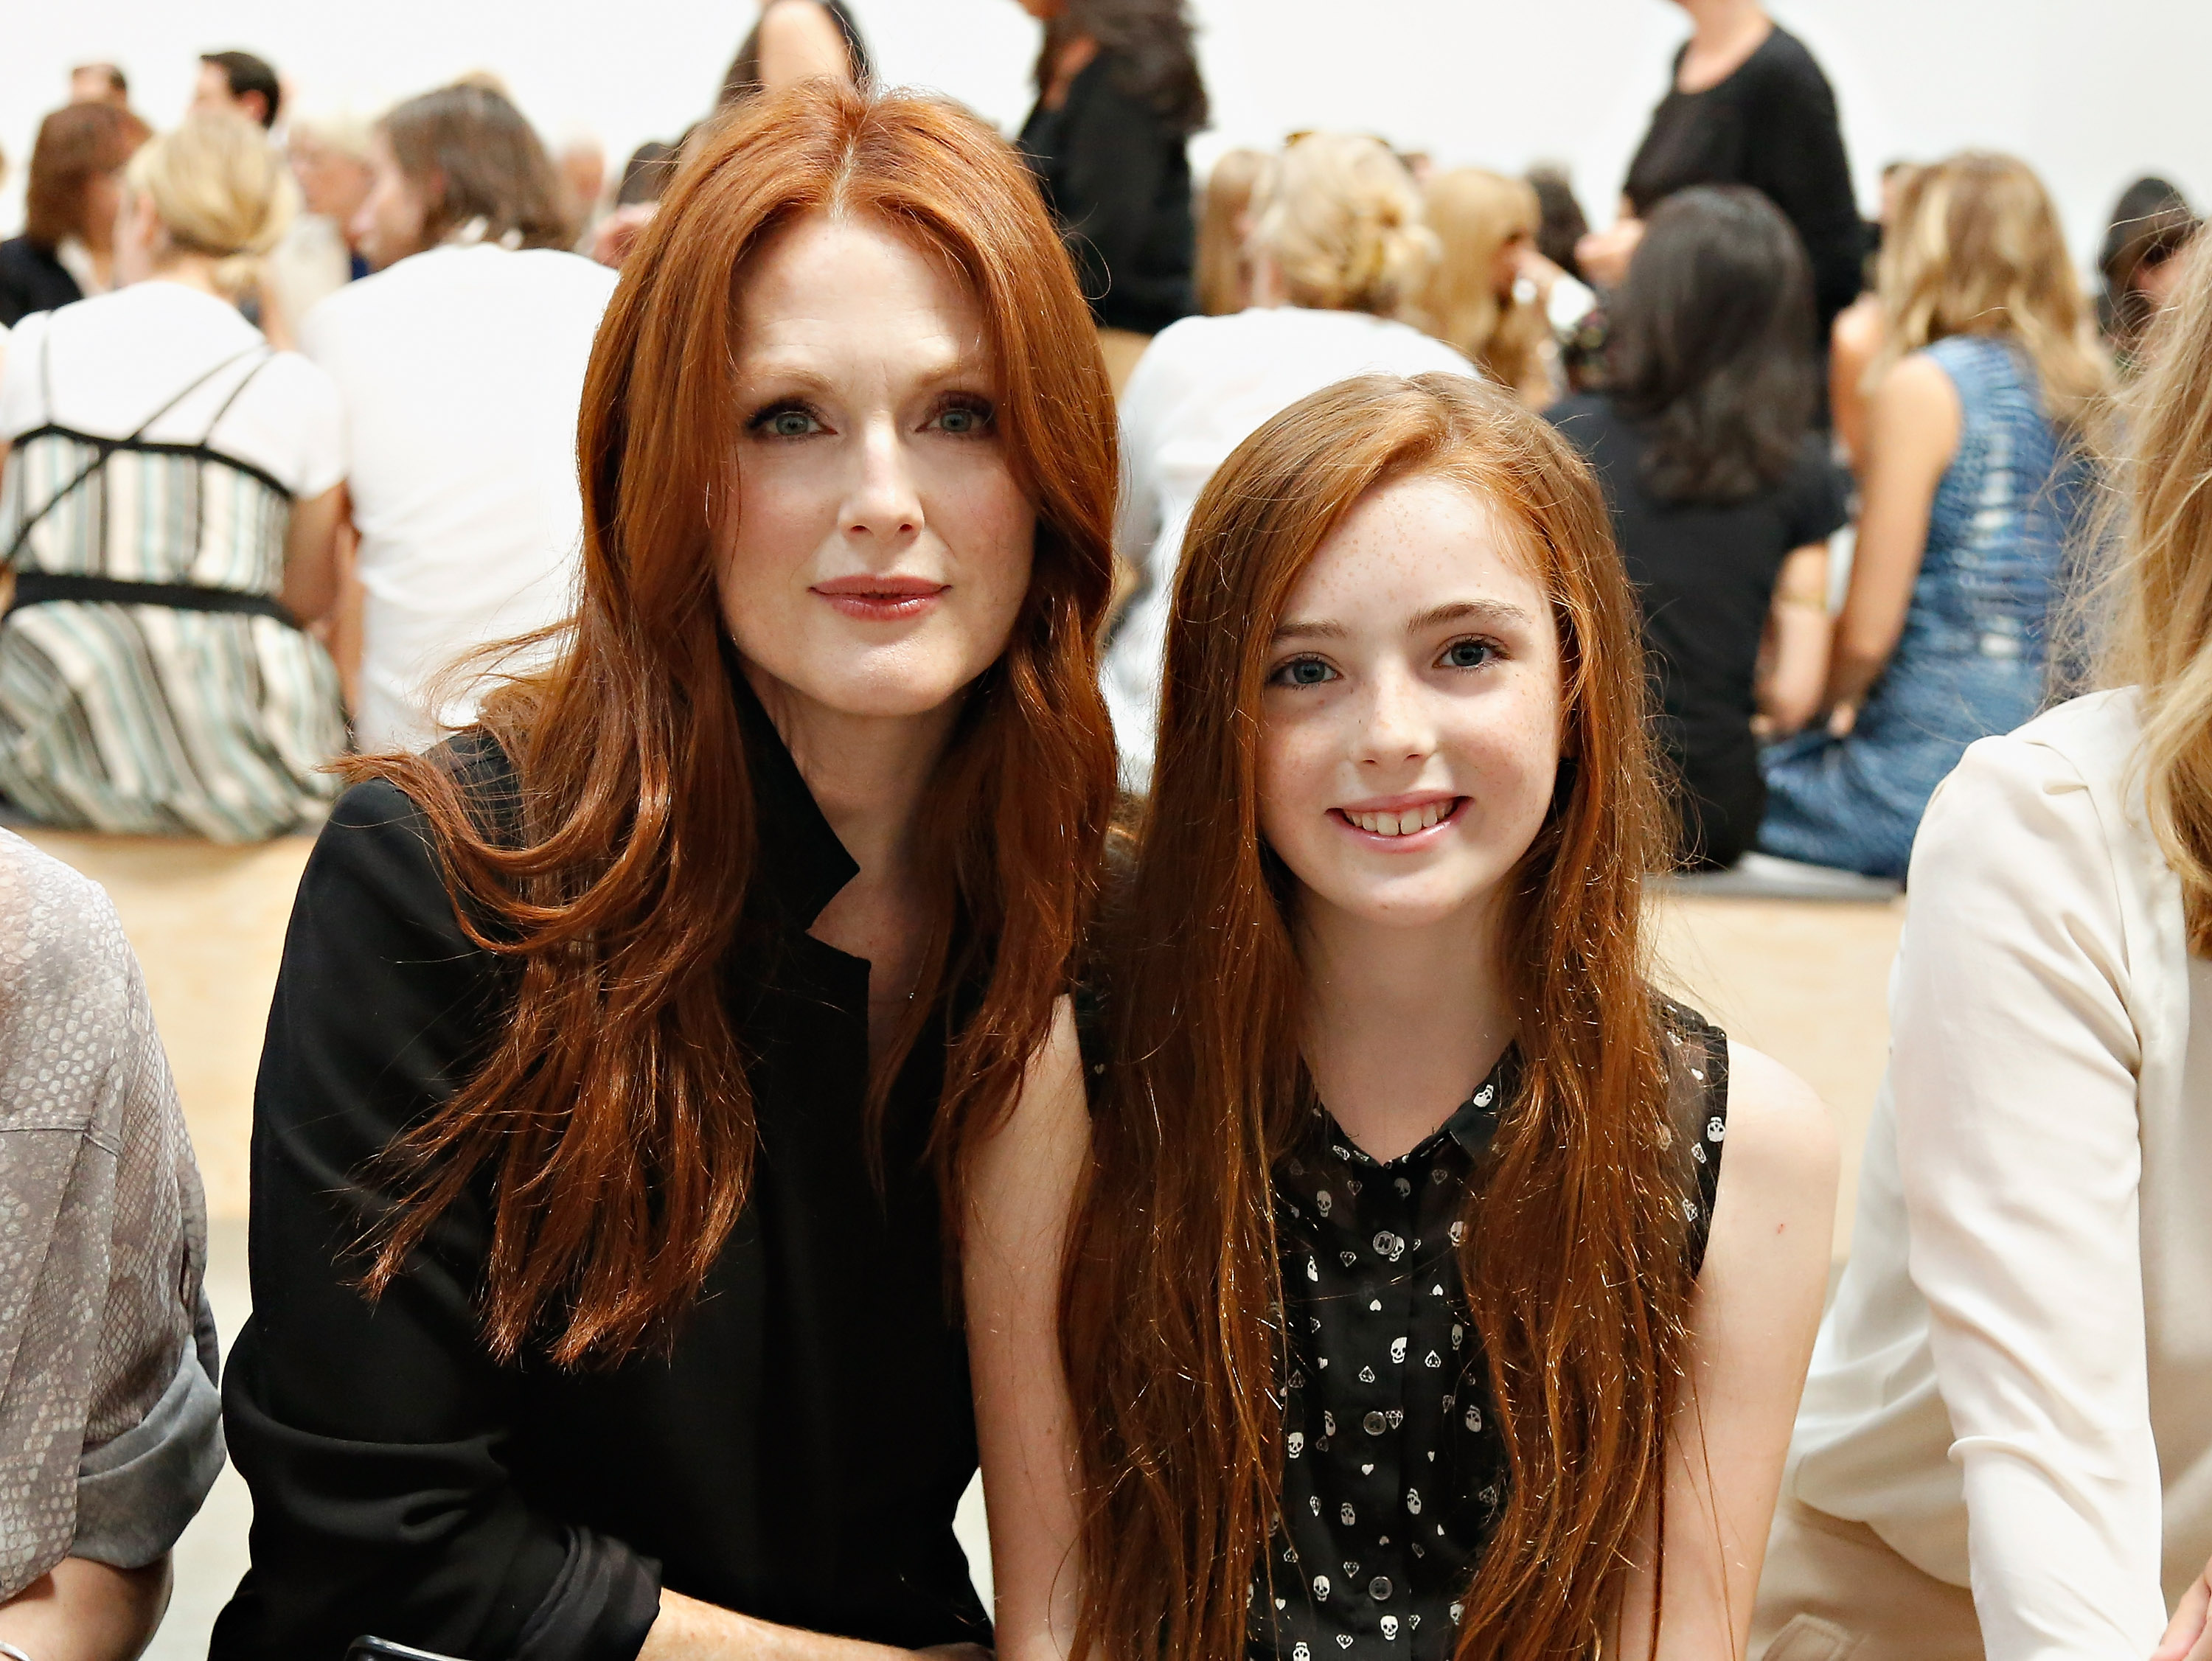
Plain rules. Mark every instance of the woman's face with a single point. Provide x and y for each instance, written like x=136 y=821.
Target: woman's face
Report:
x=881 y=546
x=391 y=223
x=1409 y=733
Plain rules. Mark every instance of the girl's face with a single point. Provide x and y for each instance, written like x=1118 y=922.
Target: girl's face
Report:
x=881 y=546
x=393 y=219
x=1410 y=729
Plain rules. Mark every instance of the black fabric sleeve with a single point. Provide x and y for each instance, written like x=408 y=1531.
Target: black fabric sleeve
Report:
x=1114 y=159
x=1820 y=502
x=1796 y=156
x=373 y=1436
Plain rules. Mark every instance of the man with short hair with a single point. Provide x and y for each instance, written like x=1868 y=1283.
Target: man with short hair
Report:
x=237 y=81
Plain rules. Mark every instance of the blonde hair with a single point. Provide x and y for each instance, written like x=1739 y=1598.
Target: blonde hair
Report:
x=1474 y=214
x=2161 y=635
x=1340 y=218
x=1977 y=250
x=1223 y=280
x=217 y=186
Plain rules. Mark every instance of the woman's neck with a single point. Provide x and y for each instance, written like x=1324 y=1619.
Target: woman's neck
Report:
x=1401 y=1024
x=1722 y=34
x=190 y=271
x=870 y=776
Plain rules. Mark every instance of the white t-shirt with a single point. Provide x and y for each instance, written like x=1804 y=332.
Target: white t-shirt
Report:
x=113 y=360
x=462 y=370
x=1203 y=386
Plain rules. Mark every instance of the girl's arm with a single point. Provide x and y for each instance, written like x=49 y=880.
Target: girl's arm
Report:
x=1023 y=1189
x=1793 y=664
x=1752 y=1325
x=1913 y=432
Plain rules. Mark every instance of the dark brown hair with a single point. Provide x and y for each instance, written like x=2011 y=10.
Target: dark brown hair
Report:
x=1576 y=1277
x=473 y=156
x=614 y=1115
x=1152 y=54
x=75 y=144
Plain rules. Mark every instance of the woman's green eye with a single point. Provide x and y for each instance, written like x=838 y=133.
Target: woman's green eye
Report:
x=791 y=423
x=1468 y=654
x=1304 y=672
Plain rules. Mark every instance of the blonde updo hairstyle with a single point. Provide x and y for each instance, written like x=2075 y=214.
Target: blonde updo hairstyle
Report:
x=218 y=187
x=1340 y=217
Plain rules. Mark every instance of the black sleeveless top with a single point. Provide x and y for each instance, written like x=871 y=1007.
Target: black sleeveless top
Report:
x=1395 y=1471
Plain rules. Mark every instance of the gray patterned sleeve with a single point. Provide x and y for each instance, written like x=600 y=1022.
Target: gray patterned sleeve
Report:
x=109 y=1433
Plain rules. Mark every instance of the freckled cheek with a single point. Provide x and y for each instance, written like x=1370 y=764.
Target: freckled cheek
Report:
x=1298 y=778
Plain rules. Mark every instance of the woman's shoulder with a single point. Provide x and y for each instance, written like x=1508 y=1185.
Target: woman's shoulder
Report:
x=61 y=945
x=381 y=841
x=2056 y=803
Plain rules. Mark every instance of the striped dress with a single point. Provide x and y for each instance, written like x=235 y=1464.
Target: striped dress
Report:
x=149 y=682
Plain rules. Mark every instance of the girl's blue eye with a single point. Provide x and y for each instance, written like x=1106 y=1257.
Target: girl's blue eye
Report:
x=1303 y=672
x=1468 y=654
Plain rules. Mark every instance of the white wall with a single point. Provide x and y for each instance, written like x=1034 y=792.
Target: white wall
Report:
x=2091 y=92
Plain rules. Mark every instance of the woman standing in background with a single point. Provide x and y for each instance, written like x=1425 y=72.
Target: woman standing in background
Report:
x=1747 y=104
x=1987 y=380
x=1118 y=94
x=69 y=210
x=796 y=41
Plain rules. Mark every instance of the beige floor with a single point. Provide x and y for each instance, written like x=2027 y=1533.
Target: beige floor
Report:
x=1802 y=981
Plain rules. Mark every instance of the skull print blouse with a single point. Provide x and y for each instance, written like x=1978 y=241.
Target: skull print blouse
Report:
x=1394 y=1472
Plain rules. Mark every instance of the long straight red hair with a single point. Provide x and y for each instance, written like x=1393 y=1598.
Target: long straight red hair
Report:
x=614 y=1118
x=1574 y=1254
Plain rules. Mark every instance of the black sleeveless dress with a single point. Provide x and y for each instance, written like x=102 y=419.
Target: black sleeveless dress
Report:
x=1394 y=1471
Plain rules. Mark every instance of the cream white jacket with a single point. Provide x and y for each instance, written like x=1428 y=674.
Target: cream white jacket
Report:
x=2014 y=1387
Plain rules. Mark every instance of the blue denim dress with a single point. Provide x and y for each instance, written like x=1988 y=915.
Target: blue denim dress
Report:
x=1970 y=660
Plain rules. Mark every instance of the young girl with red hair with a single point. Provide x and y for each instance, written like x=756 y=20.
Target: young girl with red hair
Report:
x=1406 y=1305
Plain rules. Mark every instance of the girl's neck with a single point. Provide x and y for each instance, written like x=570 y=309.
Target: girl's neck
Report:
x=1401 y=1024
x=1722 y=34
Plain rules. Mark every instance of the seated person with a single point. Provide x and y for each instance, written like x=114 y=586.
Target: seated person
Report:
x=1723 y=498
x=111 y=1432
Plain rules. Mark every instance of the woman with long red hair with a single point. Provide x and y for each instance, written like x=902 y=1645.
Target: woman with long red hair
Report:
x=631 y=1048
x=1408 y=1306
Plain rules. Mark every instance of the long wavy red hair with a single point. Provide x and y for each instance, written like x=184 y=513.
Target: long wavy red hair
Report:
x=1574 y=1258
x=613 y=1118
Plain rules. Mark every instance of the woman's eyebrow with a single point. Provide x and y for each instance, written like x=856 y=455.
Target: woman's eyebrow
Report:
x=1317 y=630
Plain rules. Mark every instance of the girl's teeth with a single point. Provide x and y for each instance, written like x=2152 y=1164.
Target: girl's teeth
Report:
x=1401 y=824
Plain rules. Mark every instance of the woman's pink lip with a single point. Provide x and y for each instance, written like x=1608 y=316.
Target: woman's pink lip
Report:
x=888 y=586
x=887 y=599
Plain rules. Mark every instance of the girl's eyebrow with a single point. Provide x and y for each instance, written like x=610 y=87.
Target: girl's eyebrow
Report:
x=1498 y=614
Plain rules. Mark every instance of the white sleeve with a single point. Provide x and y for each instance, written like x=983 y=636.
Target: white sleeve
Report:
x=23 y=404
x=2013 y=1070
x=318 y=432
x=1137 y=522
